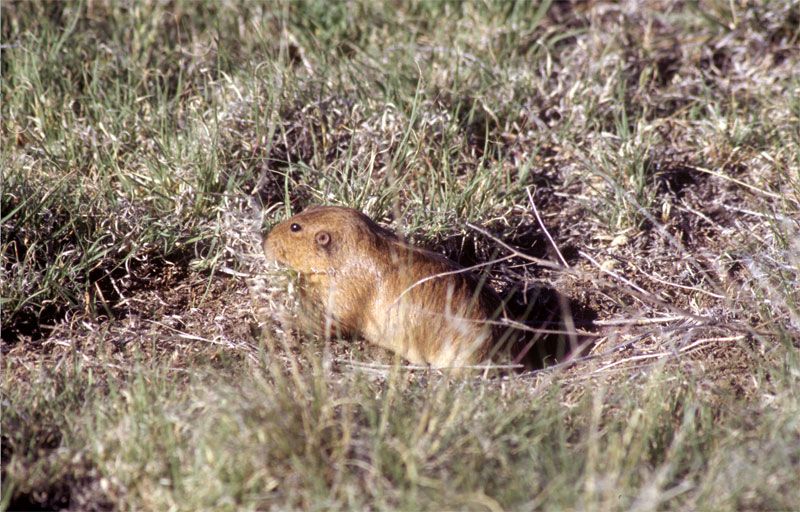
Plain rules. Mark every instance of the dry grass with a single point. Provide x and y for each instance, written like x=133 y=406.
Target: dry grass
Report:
x=634 y=166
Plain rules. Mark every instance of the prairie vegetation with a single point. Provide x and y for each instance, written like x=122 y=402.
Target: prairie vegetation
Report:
x=633 y=169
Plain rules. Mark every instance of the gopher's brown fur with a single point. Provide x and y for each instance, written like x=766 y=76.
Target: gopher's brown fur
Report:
x=367 y=281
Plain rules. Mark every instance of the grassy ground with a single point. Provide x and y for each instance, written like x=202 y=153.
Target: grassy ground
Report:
x=649 y=151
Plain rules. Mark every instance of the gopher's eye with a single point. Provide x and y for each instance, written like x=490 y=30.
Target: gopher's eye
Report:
x=295 y=227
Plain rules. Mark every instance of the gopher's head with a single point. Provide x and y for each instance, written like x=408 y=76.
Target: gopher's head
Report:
x=322 y=238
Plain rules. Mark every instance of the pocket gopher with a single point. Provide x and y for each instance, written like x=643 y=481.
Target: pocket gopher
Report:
x=365 y=280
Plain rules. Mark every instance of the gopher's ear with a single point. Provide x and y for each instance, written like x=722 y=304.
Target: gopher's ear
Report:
x=323 y=238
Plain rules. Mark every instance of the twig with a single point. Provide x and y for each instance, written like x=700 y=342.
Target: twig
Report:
x=638 y=321
x=612 y=350
x=613 y=274
x=448 y=273
x=516 y=252
x=708 y=340
x=742 y=183
x=645 y=296
x=192 y=337
x=235 y=273
x=632 y=358
x=544 y=228
x=378 y=366
x=676 y=285
x=506 y=322
x=683 y=350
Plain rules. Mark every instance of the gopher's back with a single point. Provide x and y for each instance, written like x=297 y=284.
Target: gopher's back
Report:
x=433 y=310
